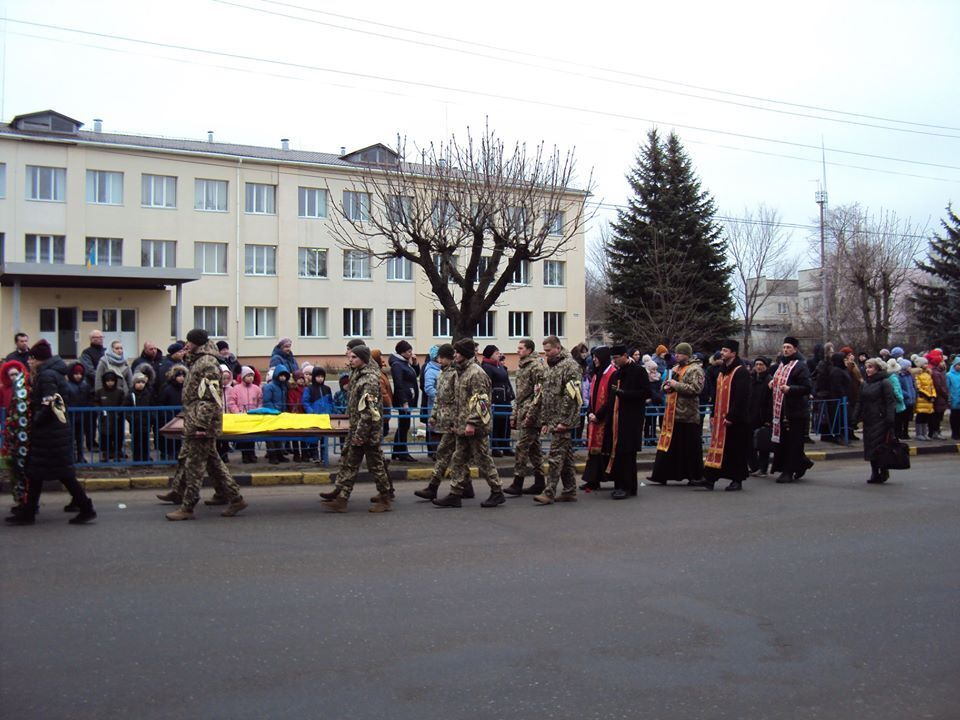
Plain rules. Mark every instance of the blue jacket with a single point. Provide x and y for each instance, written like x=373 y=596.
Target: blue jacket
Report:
x=908 y=388
x=287 y=361
x=318 y=400
x=899 y=404
x=275 y=395
x=953 y=384
x=430 y=374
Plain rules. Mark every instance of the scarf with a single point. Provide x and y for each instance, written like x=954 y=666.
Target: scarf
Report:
x=779 y=391
x=599 y=389
x=113 y=358
x=670 y=414
x=721 y=407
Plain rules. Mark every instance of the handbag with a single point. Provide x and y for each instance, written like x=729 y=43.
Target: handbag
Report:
x=892 y=454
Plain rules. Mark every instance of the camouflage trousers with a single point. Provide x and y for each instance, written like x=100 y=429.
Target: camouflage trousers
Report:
x=560 y=463
x=476 y=448
x=350 y=458
x=444 y=453
x=180 y=477
x=199 y=459
x=529 y=454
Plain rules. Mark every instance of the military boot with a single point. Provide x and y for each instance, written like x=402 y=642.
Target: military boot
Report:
x=496 y=498
x=331 y=494
x=217 y=499
x=539 y=483
x=380 y=503
x=566 y=496
x=450 y=500
x=517 y=487
x=235 y=506
x=468 y=493
x=428 y=493
x=171 y=497
x=543 y=499
x=337 y=504
x=181 y=514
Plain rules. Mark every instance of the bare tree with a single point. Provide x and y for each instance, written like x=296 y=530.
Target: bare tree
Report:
x=596 y=291
x=869 y=260
x=473 y=215
x=762 y=255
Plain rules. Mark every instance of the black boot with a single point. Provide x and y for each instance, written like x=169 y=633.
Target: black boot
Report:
x=450 y=500
x=468 y=493
x=516 y=488
x=21 y=516
x=428 y=493
x=273 y=457
x=331 y=494
x=539 y=485
x=734 y=486
x=785 y=477
x=496 y=498
x=707 y=484
x=85 y=515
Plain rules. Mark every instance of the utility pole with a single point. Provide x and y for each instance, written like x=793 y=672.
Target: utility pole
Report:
x=821 y=199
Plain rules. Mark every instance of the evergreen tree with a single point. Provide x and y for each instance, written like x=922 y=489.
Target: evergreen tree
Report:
x=669 y=280
x=937 y=305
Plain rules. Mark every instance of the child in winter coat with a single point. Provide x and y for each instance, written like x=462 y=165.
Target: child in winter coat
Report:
x=318 y=400
x=926 y=394
x=170 y=396
x=80 y=395
x=295 y=405
x=342 y=396
x=139 y=419
x=241 y=397
x=111 y=420
x=275 y=398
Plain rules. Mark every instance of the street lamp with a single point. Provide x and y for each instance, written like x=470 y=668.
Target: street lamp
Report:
x=821 y=200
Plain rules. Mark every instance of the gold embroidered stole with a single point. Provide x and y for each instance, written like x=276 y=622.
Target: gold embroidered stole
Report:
x=721 y=407
x=666 y=431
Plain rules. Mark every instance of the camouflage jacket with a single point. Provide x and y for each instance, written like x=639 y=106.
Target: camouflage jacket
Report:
x=365 y=406
x=688 y=392
x=472 y=399
x=202 y=396
x=528 y=381
x=444 y=411
x=560 y=397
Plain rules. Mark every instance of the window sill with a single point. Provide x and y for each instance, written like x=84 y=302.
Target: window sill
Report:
x=267 y=275
x=105 y=203
x=312 y=277
x=45 y=200
x=366 y=279
x=249 y=212
x=310 y=217
x=211 y=210
x=159 y=207
x=398 y=280
x=313 y=337
x=215 y=274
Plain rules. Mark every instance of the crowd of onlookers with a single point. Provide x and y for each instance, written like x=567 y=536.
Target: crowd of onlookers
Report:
x=925 y=386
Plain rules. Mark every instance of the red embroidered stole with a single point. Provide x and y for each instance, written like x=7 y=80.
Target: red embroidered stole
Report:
x=721 y=407
x=599 y=389
x=779 y=383
x=666 y=431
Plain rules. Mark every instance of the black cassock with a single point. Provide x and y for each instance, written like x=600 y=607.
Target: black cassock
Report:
x=627 y=404
x=736 y=449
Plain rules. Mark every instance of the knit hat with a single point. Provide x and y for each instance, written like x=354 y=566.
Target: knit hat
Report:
x=731 y=344
x=41 y=350
x=109 y=375
x=344 y=379
x=884 y=352
x=618 y=350
x=432 y=354
x=466 y=347
x=763 y=359
x=444 y=351
x=402 y=346
x=935 y=357
x=285 y=341
x=661 y=349
x=489 y=350
x=174 y=347
x=351 y=344
x=846 y=350
x=790 y=340
x=223 y=345
x=684 y=349
x=904 y=363
x=140 y=377
x=298 y=375
x=897 y=352
x=77 y=368
x=362 y=352
x=244 y=371
x=198 y=336
x=893 y=366
x=921 y=362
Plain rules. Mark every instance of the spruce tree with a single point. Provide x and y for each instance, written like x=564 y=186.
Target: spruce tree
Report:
x=937 y=307
x=669 y=279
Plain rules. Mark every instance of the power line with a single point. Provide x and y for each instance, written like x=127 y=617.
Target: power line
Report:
x=517 y=99
x=586 y=66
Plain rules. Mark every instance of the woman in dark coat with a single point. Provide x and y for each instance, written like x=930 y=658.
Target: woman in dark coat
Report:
x=760 y=416
x=501 y=394
x=878 y=412
x=50 y=455
x=405 y=371
x=833 y=384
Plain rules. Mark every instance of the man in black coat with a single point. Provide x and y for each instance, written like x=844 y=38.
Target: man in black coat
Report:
x=791 y=388
x=405 y=371
x=729 y=449
x=626 y=406
x=92 y=355
x=51 y=452
x=21 y=352
x=760 y=412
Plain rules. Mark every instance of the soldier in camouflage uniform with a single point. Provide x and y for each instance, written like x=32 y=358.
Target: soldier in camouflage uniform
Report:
x=529 y=454
x=365 y=408
x=472 y=425
x=202 y=423
x=442 y=418
x=559 y=405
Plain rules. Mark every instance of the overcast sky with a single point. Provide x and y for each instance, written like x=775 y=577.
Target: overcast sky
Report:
x=732 y=79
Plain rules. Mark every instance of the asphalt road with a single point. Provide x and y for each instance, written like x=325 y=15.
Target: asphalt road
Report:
x=826 y=599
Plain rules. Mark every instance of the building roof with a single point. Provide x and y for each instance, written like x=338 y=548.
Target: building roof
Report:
x=98 y=276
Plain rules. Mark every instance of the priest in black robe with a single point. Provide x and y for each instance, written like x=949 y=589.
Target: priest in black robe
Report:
x=627 y=399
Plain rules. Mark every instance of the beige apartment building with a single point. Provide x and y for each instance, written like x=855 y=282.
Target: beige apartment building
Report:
x=145 y=237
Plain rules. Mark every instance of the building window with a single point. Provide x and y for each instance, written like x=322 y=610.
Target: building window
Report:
x=445 y=265
x=554 y=272
x=555 y=222
x=553 y=323
x=312 y=202
x=356 y=205
x=782 y=308
x=399 y=268
x=399 y=323
x=444 y=216
x=210 y=258
x=357 y=322
x=260 y=321
x=211 y=318
x=519 y=324
x=399 y=209
x=158 y=191
x=210 y=195
x=487 y=328
x=517 y=219
x=46 y=183
x=312 y=262
x=441 y=324
x=313 y=322
x=47 y=249
x=261 y=199
x=3 y=180
x=104 y=251
x=356 y=265
x=104 y=188
x=260 y=259
x=482 y=267
x=521 y=274
x=158 y=253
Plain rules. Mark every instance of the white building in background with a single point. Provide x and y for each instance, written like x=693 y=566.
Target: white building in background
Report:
x=144 y=237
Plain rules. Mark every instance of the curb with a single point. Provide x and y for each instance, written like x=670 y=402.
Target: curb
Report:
x=274 y=478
